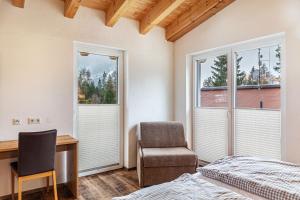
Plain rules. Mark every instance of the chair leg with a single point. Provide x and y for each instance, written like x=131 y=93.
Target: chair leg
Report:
x=54 y=185
x=12 y=185
x=20 y=188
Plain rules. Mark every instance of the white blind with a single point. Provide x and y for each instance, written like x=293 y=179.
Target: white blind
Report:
x=99 y=136
x=258 y=133
x=210 y=133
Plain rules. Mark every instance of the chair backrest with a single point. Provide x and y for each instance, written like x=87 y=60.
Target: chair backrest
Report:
x=161 y=134
x=36 y=152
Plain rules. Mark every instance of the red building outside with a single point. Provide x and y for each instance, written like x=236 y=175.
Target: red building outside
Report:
x=265 y=97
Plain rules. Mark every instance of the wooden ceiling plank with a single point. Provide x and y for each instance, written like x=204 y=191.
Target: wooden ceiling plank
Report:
x=198 y=14
x=158 y=13
x=18 y=3
x=116 y=10
x=71 y=8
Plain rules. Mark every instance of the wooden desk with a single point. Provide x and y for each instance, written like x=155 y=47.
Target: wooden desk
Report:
x=9 y=149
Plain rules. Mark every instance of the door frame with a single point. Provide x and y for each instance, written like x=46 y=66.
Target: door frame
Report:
x=122 y=94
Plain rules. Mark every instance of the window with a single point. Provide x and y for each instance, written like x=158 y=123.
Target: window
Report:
x=237 y=104
x=258 y=78
x=212 y=81
x=97 y=78
x=210 y=114
x=257 y=109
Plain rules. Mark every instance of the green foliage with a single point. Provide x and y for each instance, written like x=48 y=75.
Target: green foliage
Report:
x=208 y=82
x=256 y=76
x=278 y=56
x=240 y=75
x=252 y=79
x=260 y=75
x=219 y=72
x=104 y=92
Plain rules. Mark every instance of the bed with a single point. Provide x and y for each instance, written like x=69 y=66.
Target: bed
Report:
x=233 y=177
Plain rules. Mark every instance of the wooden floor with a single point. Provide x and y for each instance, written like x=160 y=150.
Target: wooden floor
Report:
x=96 y=187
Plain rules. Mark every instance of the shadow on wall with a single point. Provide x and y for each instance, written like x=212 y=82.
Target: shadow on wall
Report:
x=132 y=146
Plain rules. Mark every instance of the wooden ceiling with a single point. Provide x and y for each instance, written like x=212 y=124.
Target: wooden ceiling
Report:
x=178 y=17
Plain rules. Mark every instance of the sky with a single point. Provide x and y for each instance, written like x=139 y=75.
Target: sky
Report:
x=250 y=59
x=97 y=64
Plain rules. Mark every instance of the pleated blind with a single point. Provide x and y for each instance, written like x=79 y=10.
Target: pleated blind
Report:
x=258 y=133
x=99 y=136
x=210 y=133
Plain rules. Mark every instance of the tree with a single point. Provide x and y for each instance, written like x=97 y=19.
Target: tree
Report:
x=259 y=74
x=219 y=73
x=240 y=75
x=252 y=78
x=115 y=80
x=104 y=92
x=110 y=92
x=208 y=82
x=278 y=56
x=84 y=81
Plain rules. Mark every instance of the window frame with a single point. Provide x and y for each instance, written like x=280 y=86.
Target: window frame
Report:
x=265 y=41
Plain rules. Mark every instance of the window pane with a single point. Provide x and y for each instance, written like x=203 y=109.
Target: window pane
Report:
x=212 y=82
x=97 y=78
x=257 y=113
x=210 y=121
x=258 y=78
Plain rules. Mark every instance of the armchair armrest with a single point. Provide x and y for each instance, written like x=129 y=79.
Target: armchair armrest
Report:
x=139 y=165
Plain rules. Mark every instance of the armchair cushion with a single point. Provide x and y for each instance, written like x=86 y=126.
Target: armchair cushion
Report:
x=162 y=134
x=168 y=157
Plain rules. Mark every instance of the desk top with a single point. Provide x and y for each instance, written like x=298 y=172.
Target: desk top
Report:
x=12 y=145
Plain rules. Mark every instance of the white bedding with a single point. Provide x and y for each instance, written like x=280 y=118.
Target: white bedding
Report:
x=186 y=187
x=272 y=179
x=237 y=190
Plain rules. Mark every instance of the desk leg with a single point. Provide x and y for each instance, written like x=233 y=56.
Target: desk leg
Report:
x=72 y=170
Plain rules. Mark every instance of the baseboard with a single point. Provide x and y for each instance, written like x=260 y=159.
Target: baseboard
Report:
x=131 y=168
x=202 y=163
x=59 y=186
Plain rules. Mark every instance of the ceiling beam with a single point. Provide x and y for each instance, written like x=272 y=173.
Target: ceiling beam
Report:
x=158 y=13
x=115 y=11
x=18 y=3
x=197 y=15
x=71 y=7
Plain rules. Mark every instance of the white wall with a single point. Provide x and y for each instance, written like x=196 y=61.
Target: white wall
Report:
x=36 y=70
x=244 y=20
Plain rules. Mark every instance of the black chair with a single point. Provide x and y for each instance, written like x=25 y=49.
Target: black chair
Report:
x=35 y=159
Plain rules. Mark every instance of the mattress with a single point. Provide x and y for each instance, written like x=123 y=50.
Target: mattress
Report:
x=234 y=189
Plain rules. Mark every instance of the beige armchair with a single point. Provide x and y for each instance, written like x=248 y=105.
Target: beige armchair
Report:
x=162 y=153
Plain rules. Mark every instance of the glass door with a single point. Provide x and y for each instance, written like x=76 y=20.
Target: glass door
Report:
x=99 y=108
x=258 y=101
x=237 y=100
x=211 y=106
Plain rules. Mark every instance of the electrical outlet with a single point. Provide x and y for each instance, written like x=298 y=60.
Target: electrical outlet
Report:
x=34 y=121
x=16 y=122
